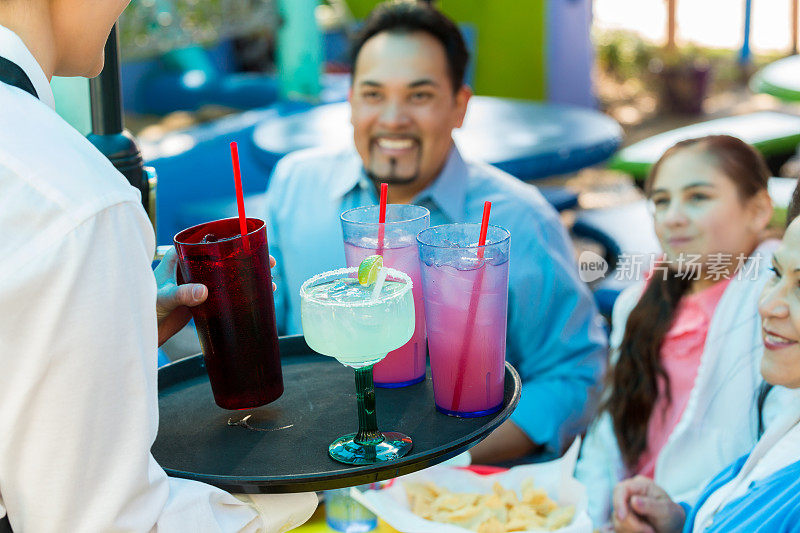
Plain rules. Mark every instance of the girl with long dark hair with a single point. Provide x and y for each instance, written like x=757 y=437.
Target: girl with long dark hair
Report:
x=759 y=491
x=686 y=343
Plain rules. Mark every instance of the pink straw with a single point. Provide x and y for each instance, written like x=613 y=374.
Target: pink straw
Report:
x=382 y=216
x=473 y=308
x=237 y=179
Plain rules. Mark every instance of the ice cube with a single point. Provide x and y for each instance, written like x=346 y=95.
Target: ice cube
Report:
x=469 y=262
x=209 y=238
x=338 y=288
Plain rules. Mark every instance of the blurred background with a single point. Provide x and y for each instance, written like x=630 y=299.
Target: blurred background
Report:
x=578 y=97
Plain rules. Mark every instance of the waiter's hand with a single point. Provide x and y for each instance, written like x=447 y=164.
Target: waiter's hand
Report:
x=281 y=512
x=173 y=301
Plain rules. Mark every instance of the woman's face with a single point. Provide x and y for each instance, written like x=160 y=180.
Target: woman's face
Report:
x=779 y=308
x=698 y=212
x=80 y=31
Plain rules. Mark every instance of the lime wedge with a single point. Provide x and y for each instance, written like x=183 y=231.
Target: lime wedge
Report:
x=368 y=269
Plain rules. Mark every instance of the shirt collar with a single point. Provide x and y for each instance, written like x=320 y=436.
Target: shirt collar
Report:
x=448 y=191
x=13 y=49
x=351 y=175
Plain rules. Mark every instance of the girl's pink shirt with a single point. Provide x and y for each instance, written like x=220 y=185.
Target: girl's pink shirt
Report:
x=681 y=352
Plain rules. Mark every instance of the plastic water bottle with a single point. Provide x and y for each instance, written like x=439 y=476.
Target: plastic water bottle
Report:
x=343 y=513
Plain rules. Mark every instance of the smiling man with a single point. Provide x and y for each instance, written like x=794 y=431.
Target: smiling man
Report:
x=406 y=98
x=405 y=102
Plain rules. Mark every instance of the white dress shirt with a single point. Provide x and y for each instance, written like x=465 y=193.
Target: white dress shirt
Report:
x=78 y=335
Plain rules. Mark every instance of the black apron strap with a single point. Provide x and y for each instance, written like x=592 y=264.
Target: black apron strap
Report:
x=5 y=525
x=12 y=74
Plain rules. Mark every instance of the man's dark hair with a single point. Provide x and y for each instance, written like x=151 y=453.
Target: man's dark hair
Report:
x=406 y=16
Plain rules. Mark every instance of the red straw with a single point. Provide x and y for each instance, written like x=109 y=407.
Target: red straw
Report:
x=487 y=208
x=237 y=178
x=382 y=216
x=473 y=308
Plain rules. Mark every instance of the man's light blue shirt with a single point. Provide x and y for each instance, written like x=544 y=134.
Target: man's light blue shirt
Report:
x=555 y=336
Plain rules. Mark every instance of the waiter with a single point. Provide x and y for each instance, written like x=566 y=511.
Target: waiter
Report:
x=78 y=323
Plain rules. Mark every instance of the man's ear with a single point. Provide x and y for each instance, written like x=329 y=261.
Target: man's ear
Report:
x=462 y=99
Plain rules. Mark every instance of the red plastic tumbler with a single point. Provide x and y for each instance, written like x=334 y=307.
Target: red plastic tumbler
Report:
x=236 y=324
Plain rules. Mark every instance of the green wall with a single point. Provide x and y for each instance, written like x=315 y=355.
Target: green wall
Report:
x=510 y=55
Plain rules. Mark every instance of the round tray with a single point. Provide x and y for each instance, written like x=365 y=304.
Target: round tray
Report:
x=288 y=449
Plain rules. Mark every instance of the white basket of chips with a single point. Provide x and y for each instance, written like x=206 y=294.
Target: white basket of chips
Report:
x=446 y=499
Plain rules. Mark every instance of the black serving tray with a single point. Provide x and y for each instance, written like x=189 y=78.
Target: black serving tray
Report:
x=288 y=450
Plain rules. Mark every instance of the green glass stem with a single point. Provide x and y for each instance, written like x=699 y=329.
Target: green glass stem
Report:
x=368 y=432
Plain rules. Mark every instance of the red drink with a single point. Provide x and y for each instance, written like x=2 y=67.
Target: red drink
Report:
x=236 y=324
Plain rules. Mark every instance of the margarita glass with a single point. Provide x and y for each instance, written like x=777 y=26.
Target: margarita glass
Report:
x=358 y=325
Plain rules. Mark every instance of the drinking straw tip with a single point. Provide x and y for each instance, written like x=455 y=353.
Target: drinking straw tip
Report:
x=376 y=291
x=237 y=181
x=382 y=216
x=384 y=196
x=487 y=208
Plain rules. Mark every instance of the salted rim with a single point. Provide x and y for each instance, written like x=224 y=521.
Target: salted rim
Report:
x=364 y=303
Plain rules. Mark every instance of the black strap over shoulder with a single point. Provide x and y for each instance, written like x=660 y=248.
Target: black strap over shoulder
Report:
x=12 y=74
x=5 y=525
